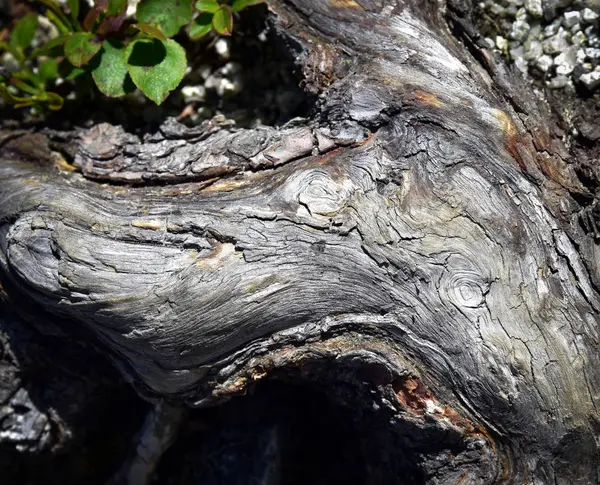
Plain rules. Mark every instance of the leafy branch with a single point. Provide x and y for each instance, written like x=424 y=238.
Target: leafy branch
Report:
x=120 y=52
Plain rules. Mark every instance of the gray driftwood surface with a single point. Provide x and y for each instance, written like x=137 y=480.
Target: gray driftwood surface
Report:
x=415 y=248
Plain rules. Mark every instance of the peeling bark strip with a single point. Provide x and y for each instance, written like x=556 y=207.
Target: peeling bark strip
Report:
x=421 y=223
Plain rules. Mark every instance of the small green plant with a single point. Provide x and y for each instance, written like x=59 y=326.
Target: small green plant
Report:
x=120 y=52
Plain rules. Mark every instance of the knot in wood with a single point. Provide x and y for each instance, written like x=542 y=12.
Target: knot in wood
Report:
x=320 y=193
x=463 y=286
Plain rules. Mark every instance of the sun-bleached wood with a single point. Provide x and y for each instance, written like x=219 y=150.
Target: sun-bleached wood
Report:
x=421 y=222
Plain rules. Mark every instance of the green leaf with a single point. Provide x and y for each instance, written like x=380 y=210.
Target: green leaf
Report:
x=24 y=31
x=116 y=7
x=223 y=21
x=81 y=47
x=156 y=67
x=110 y=74
x=48 y=70
x=62 y=27
x=23 y=86
x=52 y=100
x=10 y=97
x=74 y=8
x=151 y=30
x=170 y=15
x=68 y=71
x=48 y=46
x=242 y=4
x=210 y=6
x=200 y=26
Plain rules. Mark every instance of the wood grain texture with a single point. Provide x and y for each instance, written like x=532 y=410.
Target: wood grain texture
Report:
x=422 y=219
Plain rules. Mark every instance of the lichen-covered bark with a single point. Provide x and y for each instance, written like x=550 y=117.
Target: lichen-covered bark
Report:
x=418 y=234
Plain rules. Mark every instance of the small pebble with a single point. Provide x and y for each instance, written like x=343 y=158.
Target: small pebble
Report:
x=193 y=93
x=566 y=61
x=591 y=80
x=226 y=87
x=544 y=63
x=588 y=15
x=521 y=14
x=10 y=63
x=501 y=43
x=533 y=49
x=578 y=38
x=204 y=70
x=222 y=48
x=592 y=53
x=571 y=18
x=534 y=7
x=557 y=43
x=558 y=82
x=552 y=29
x=520 y=30
x=517 y=53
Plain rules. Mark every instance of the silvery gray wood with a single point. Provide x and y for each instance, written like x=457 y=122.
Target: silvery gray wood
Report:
x=422 y=221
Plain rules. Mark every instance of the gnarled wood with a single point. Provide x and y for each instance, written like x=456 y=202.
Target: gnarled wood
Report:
x=417 y=235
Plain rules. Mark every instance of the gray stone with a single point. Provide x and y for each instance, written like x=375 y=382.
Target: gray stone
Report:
x=589 y=16
x=227 y=86
x=544 y=63
x=204 y=70
x=563 y=70
x=552 y=29
x=521 y=14
x=489 y=42
x=591 y=131
x=592 y=53
x=10 y=63
x=231 y=68
x=576 y=28
x=534 y=7
x=512 y=11
x=501 y=43
x=594 y=41
x=222 y=48
x=578 y=38
x=497 y=10
x=557 y=43
x=521 y=65
x=591 y=80
x=212 y=82
x=517 y=52
x=516 y=55
x=551 y=7
x=536 y=31
x=571 y=18
x=558 y=82
x=533 y=49
x=193 y=93
x=519 y=30
x=566 y=61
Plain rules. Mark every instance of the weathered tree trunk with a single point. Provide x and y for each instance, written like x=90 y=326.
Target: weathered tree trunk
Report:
x=413 y=248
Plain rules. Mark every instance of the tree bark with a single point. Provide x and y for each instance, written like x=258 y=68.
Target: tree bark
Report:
x=414 y=247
